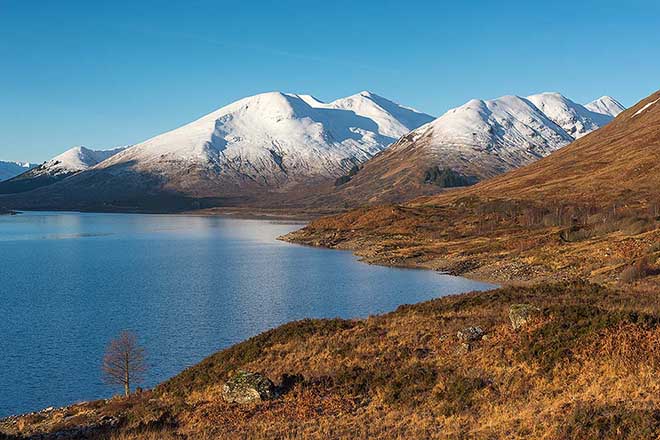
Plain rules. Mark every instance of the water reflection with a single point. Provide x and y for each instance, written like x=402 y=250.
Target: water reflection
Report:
x=187 y=285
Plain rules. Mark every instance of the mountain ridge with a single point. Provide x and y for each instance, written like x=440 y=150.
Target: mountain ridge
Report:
x=475 y=141
x=268 y=143
x=72 y=161
x=9 y=169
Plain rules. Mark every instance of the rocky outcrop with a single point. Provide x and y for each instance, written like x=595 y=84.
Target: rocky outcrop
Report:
x=247 y=387
x=521 y=314
x=470 y=334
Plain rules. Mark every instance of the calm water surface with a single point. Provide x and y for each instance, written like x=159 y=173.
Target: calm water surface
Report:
x=188 y=286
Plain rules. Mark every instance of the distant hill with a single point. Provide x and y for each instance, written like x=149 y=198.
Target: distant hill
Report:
x=11 y=169
x=70 y=162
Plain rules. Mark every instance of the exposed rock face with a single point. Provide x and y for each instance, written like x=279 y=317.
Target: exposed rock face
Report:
x=247 y=387
x=521 y=314
x=470 y=334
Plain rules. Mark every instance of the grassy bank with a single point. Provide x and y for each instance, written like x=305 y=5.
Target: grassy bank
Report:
x=585 y=367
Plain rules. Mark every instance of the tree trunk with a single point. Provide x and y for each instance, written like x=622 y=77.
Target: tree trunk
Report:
x=127 y=379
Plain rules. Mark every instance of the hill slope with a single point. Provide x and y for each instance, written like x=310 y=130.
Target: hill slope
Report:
x=478 y=140
x=593 y=204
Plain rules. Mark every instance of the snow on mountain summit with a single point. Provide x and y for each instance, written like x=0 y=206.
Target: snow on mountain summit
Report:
x=274 y=138
x=494 y=135
x=11 y=169
x=606 y=105
x=483 y=138
x=574 y=118
x=76 y=159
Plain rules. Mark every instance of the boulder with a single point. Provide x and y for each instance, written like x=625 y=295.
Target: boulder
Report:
x=247 y=387
x=470 y=334
x=521 y=314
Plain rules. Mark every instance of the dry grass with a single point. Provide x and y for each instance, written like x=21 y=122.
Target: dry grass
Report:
x=587 y=368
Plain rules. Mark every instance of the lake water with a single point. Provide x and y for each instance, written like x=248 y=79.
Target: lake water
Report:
x=188 y=286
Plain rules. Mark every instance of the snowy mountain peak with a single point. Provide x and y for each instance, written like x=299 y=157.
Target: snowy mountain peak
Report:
x=574 y=118
x=10 y=169
x=277 y=138
x=72 y=161
x=483 y=138
x=502 y=123
x=606 y=105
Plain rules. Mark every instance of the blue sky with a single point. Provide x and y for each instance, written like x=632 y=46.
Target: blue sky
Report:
x=102 y=74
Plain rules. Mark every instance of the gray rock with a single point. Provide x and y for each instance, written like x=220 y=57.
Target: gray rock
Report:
x=521 y=314
x=247 y=387
x=470 y=334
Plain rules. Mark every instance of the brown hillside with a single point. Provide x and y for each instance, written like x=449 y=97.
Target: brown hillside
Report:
x=589 y=210
x=619 y=162
x=584 y=367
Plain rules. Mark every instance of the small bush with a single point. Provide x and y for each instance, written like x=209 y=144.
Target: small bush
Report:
x=458 y=391
x=636 y=271
x=410 y=384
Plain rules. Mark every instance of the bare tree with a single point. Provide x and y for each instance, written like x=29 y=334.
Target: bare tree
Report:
x=123 y=363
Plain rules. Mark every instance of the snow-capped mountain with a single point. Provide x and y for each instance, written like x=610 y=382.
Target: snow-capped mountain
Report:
x=70 y=162
x=606 y=105
x=255 y=147
x=11 y=169
x=273 y=140
x=74 y=160
x=477 y=140
x=575 y=119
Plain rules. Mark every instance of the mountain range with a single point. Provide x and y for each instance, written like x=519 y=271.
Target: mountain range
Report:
x=70 y=162
x=476 y=141
x=282 y=148
x=11 y=169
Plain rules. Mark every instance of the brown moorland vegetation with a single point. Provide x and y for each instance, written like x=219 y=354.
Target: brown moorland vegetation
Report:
x=590 y=210
x=586 y=367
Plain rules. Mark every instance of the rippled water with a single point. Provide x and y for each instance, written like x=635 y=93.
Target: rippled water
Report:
x=188 y=286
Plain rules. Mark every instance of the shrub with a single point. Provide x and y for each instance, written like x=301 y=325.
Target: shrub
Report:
x=638 y=270
x=410 y=384
x=458 y=391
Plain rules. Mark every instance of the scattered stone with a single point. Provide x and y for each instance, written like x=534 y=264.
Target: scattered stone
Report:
x=470 y=334
x=521 y=314
x=247 y=387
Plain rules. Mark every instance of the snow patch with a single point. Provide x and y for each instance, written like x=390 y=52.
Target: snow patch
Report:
x=641 y=110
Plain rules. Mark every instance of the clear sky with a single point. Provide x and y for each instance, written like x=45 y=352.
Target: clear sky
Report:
x=108 y=73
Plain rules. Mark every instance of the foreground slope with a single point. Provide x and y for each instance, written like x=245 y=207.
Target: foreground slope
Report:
x=588 y=210
x=584 y=367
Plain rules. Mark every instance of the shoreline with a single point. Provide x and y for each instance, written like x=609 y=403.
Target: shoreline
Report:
x=242 y=215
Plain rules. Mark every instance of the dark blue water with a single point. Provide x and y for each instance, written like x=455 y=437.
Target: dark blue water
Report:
x=188 y=286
